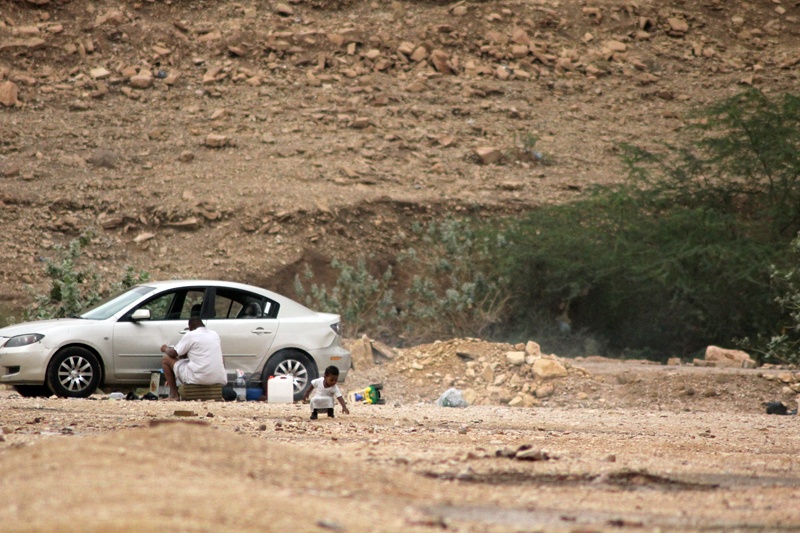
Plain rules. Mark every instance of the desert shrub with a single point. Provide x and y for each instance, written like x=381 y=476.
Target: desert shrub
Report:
x=363 y=300
x=679 y=256
x=620 y=277
x=782 y=343
x=445 y=285
x=75 y=285
x=456 y=287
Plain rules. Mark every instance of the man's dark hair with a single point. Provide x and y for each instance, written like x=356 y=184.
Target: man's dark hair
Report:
x=331 y=371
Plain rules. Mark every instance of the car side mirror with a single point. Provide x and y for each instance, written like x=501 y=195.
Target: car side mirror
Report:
x=140 y=314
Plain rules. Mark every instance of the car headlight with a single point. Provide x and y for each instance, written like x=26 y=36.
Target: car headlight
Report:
x=23 y=340
x=337 y=328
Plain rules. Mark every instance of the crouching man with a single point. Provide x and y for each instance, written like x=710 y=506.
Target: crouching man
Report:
x=195 y=360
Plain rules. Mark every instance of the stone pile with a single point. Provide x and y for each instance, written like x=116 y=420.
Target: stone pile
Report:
x=789 y=381
x=486 y=373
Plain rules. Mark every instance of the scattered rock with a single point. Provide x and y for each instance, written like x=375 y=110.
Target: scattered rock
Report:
x=214 y=140
x=143 y=80
x=677 y=27
x=8 y=93
x=515 y=358
x=548 y=369
x=489 y=155
x=103 y=159
x=9 y=170
x=284 y=10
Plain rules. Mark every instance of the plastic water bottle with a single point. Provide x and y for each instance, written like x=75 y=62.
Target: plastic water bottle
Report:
x=240 y=386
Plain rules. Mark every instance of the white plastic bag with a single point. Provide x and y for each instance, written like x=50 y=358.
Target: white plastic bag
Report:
x=451 y=398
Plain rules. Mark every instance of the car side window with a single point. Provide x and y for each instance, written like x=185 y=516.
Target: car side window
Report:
x=174 y=305
x=236 y=304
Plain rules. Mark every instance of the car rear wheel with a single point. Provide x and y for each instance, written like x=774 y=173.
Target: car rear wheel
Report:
x=33 y=391
x=73 y=373
x=296 y=364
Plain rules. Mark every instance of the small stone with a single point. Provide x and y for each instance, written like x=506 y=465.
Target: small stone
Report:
x=545 y=391
x=99 y=73
x=144 y=237
x=9 y=170
x=419 y=54
x=284 y=10
x=186 y=157
x=677 y=26
x=104 y=159
x=441 y=62
x=516 y=401
x=489 y=155
x=532 y=455
x=533 y=348
x=406 y=48
x=361 y=123
x=548 y=368
x=8 y=93
x=141 y=81
x=214 y=140
x=615 y=46
x=515 y=358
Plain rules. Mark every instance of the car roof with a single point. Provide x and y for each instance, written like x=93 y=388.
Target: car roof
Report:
x=285 y=301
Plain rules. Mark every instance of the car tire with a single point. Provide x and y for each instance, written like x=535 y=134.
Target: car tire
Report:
x=296 y=364
x=33 y=391
x=74 y=373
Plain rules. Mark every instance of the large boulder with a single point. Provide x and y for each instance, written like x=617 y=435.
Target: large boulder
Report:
x=724 y=357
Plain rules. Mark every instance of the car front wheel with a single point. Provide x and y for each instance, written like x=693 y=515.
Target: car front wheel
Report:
x=296 y=364
x=73 y=373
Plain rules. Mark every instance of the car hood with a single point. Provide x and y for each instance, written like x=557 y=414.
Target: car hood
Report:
x=41 y=326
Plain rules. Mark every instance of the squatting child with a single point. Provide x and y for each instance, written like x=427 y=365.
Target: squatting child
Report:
x=325 y=389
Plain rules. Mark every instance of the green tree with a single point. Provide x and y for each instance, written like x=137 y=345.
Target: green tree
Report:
x=677 y=257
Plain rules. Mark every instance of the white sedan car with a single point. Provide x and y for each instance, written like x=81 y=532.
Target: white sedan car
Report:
x=117 y=343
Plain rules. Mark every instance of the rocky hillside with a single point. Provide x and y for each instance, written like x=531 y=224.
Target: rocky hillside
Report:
x=236 y=139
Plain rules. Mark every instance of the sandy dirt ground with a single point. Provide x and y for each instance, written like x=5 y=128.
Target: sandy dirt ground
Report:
x=706 y=463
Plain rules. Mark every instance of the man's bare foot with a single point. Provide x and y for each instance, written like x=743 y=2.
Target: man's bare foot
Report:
x=172 y=398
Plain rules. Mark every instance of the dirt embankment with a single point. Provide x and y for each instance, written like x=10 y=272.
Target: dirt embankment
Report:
x=231 y=140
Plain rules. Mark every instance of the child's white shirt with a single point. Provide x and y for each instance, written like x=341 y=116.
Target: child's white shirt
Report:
x=321 y=390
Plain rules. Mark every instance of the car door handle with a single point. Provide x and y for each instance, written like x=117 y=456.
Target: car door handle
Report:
x=261 y=331
x=184 y=331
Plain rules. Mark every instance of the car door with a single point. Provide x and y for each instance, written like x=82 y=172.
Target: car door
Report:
x=137 y=344
x=247 y=324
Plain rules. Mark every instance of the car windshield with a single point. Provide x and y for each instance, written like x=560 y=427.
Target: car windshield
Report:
x=113 y=306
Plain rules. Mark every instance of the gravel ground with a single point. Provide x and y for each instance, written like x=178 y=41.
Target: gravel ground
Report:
x=100 y=465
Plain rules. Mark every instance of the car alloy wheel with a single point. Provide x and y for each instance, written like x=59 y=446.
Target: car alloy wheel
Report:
x=74 y=373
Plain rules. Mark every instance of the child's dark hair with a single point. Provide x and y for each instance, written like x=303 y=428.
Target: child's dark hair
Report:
x=331 y=371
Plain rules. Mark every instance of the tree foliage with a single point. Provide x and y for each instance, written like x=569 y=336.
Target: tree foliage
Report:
x=75 y=284
x=679 y=256
x=446 y=285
